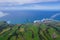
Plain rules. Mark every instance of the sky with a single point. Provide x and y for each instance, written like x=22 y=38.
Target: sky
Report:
x=47 y=6
x=31 y=7
x=28 y=1
x=35 y=6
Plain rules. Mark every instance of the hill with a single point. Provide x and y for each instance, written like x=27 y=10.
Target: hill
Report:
x=30 y=31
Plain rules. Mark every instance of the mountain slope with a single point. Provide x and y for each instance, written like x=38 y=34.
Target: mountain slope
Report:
x=31 y=31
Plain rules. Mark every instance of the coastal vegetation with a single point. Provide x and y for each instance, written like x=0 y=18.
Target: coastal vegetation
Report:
x=30 y=31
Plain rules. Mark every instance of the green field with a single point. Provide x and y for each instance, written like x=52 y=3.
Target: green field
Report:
x=30 y=31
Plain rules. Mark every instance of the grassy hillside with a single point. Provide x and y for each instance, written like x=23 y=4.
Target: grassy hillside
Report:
x=30 y=31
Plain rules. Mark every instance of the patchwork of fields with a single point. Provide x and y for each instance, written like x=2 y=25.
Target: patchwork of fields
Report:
x=30 y=31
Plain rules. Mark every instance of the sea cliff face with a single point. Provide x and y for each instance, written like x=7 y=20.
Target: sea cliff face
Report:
x=30 y=31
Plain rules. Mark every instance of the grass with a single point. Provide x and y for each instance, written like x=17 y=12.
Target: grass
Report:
x=29 y=32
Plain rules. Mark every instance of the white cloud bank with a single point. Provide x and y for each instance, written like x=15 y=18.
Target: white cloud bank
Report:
x=3 y=14
x=28 y=1
x=33 y=7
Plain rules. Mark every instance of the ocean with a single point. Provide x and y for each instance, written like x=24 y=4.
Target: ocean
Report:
x=28 y=16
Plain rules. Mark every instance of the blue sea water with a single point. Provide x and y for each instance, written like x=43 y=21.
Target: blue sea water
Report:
x=27 y=16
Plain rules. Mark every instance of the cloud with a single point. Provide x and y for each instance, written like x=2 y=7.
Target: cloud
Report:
x=33 y=7
x=28 y=1
x=55 y=15
x=46 y=6
x=3 y=14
